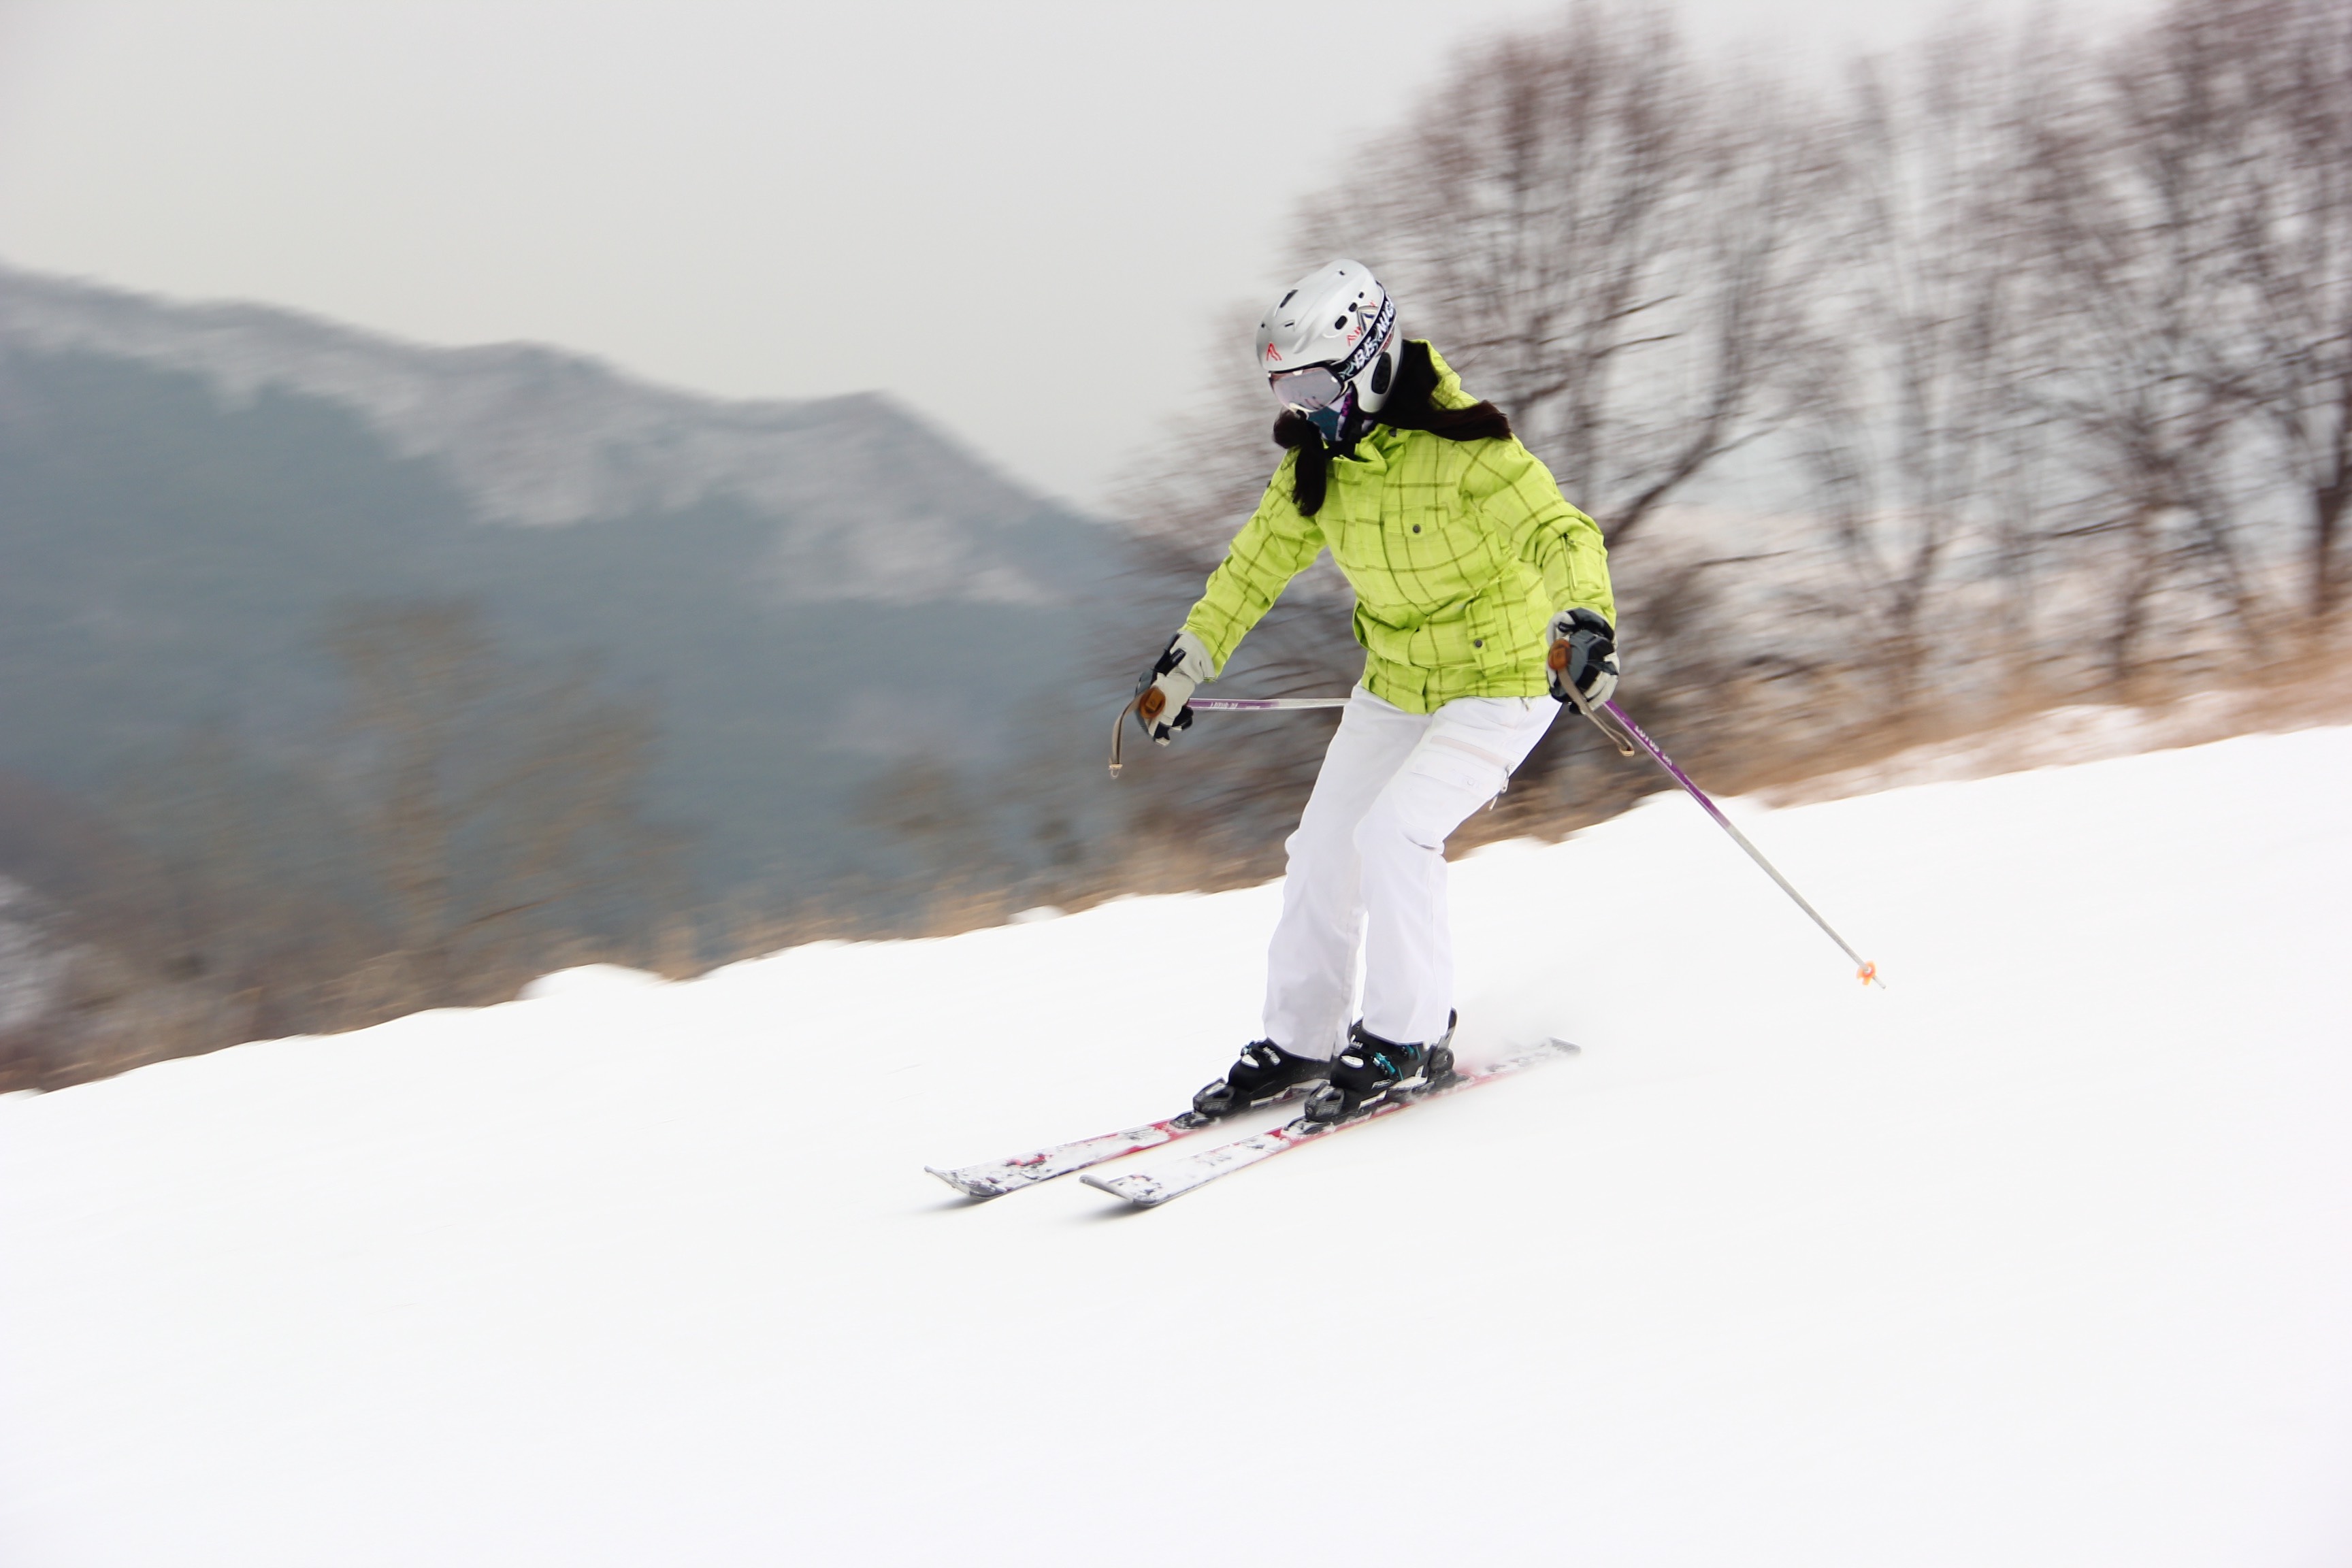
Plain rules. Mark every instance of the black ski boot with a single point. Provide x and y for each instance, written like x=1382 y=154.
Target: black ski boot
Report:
x=1265 y=1072
x=1372 y=1069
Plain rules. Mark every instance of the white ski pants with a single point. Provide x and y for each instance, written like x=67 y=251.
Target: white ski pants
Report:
x=1368 y=866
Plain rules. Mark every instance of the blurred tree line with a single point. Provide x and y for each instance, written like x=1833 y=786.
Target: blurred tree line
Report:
x=473 y=821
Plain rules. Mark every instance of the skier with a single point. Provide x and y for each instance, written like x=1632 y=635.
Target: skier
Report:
x=1482 y=596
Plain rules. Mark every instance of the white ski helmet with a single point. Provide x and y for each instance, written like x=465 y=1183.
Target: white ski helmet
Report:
x=1330 y=347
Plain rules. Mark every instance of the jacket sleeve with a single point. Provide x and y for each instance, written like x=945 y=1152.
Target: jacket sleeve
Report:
x=1274 y=545
x=1517 y=495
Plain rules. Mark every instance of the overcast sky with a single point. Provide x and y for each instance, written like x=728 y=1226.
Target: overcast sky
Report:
x=1021 y=217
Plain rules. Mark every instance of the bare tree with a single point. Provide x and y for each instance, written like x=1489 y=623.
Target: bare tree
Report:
x=250 y=874
x=2132 y=189
x=1908 y=418
x=2290 y=231
x=1613 y=240
x=499 y=806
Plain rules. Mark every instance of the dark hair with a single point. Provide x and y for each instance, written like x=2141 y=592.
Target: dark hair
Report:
x=1407 y=408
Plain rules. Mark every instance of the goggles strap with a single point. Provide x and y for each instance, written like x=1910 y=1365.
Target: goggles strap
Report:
x=1369 y=348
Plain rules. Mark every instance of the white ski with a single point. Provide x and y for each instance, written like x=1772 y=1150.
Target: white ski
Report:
x=1174 y=1178
x=994 y=1178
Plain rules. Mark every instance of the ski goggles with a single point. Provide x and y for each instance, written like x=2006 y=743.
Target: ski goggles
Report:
x=1314 y=386
x=1318 y=386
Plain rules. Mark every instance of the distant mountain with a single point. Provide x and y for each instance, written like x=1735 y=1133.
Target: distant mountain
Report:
x=809 y=594
x=871 y=502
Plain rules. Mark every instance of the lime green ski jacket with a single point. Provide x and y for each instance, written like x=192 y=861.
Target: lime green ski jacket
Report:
x=1459 y=552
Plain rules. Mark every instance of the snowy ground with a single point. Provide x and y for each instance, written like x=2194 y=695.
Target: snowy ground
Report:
x=2043 y=1256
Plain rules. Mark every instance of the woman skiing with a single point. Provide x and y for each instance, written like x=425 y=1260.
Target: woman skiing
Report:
x=1481 y=597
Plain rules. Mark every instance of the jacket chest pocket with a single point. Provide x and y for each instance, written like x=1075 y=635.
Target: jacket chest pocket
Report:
x=1451 y=549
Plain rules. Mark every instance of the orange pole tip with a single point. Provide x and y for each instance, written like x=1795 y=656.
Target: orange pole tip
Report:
x=1866 y=973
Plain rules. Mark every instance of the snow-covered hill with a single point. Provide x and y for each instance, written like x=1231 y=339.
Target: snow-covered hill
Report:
x=2043 y=1256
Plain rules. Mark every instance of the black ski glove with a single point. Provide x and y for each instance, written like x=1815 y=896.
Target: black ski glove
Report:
x=1583 y=655
x=1163 y=691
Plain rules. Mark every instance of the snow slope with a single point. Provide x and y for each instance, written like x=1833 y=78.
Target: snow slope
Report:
x=2043 y=1256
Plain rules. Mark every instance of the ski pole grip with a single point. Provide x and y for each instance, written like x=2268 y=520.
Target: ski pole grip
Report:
x=1150 y=706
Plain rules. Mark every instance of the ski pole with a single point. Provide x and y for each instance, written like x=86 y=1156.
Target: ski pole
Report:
x=1150 y=700
x=1263 y=704
x=1866 y=971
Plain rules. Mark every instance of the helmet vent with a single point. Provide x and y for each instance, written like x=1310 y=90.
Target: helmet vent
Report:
x=1339 y=323
x=1381 y=375
x=1287 y=299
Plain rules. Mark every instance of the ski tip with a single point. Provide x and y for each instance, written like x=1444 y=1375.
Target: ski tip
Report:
x=1536 y=1050
x=964 y=1185
x=1142 y=1200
